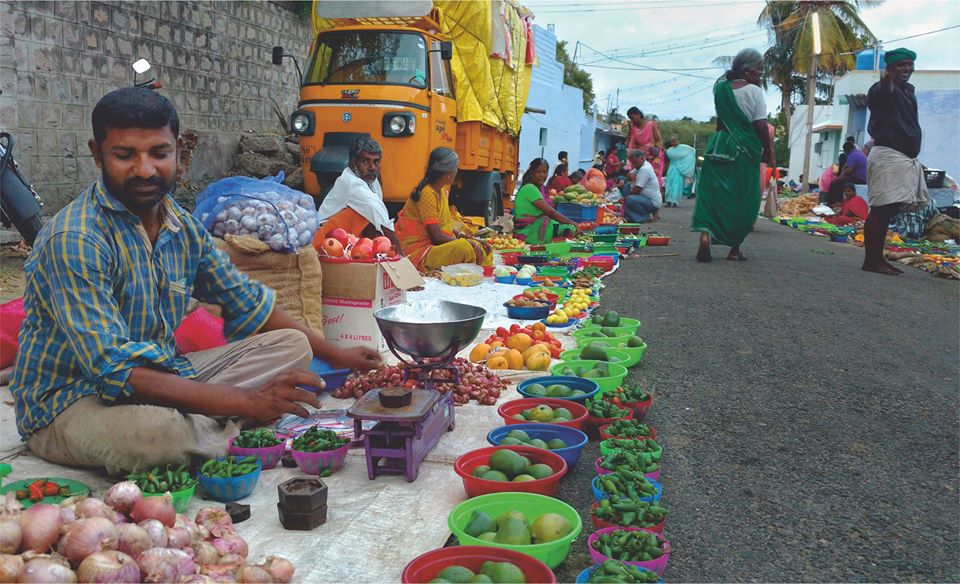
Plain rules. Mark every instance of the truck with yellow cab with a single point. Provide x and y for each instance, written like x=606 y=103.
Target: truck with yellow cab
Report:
x=415 y=75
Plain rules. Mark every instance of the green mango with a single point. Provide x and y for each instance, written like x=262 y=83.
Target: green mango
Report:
x=495 y=475
x=593 y=353
x=556 y=443
x=487 y=536
x=538 y=443
x=513 y=532
x=507 y=461
x=634 y=342
x=479 y=523
x=481 y=579
x=506 y=573
x=577 y=393
x=596 y=319
x=558 y=390
x=562 y=413
x=519 y=435
x=611 y=318
x=537 y=390
x=457 y=574
x=510 y=441
x=607 y=331
x=539 y=471
x=523 y=478
x=480 y=471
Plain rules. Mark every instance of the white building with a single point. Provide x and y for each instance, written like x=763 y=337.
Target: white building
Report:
x=938 y=104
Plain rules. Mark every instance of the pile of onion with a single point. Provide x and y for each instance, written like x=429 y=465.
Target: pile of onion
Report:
x=125 y=537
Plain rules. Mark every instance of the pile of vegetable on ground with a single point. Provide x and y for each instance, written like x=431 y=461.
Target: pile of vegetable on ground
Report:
x=126 y=537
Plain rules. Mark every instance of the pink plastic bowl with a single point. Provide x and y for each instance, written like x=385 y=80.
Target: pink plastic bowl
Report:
x=657 y=565
x=313 y=462
x=269 y=456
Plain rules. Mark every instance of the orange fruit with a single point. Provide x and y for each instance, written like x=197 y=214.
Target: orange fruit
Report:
x=496 y=345
x=538 y=361
x=520 y=342
x=498 y=362
x=538 y=326
x=538 y=348
x=479 y=353
x=514 y=359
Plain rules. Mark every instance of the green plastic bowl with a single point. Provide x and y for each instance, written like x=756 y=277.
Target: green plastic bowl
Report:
x=619 y=372
x=619 y=356
x=635 y=354
x=615 y=342
x=532 y=506
x=589 y=327
x=181 y=498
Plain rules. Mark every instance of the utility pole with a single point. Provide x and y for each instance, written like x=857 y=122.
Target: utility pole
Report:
x=811 y=102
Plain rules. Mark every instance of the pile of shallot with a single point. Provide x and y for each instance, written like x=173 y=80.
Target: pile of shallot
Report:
x=476 y=382
x=126 y=537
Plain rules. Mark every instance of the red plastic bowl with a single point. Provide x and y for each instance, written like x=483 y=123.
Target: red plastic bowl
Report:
x=600 y=523
x=474 y=486
x=605 y=436
x=518 y=405
x=658 y=240
x=510 y=258
x=425 y=567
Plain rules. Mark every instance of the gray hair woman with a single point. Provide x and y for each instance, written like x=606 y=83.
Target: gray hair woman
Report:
x=728 y=192
x=429 y=231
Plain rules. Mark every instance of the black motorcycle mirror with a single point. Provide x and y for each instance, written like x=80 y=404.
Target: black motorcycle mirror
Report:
x=277 y=59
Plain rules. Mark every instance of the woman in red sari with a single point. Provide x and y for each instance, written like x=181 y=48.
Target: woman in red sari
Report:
x=642 y=135
x=560 y=179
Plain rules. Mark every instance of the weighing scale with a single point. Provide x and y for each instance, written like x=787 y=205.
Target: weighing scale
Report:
x=403 y=436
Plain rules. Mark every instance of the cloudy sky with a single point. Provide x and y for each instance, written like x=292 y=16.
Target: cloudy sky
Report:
x=624 y=41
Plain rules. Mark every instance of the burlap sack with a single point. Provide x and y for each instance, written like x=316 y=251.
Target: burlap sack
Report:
x=296 y=277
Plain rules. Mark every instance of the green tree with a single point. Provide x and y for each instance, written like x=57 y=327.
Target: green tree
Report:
x=787 y=61
x=575 y=76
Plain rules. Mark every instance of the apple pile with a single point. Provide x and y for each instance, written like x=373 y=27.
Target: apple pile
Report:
x=340 y=244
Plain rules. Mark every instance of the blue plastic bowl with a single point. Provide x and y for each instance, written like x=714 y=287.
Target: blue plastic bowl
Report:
x=233 y=488
x=588 y=386
x=333 y=378
x=524 y=281
x=584 y=576
x=505 y=279
x=527 y=312
x=570 y=322
x=606 y=229
x=600 y=495
x=574 y=438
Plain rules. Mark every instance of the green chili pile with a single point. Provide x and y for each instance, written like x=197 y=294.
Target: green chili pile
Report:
x=600 y=408
x=317 y=440
x=631 y=546
x=614 y=571
x=629 y=460
x=229 y=466
x=630 y=512
x=259 y=438
x=650 y=447
x=161 y=481
x=628 y=429
x=626 y=483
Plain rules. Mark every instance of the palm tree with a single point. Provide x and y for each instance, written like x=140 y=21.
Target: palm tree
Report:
x=787 y=61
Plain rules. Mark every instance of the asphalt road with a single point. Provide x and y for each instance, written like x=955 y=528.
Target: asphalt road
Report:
x=808 y=411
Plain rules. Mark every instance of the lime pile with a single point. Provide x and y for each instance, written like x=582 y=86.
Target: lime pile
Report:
x=555 y=390
x=507 y=465
x=513 y=528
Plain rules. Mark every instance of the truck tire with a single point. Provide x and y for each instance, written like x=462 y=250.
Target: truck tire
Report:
x=494 y=207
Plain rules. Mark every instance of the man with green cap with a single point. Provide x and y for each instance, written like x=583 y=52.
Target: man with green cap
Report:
x=895 y=179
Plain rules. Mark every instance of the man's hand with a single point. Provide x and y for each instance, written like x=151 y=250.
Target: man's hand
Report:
x=357 y=358
x=281 y=395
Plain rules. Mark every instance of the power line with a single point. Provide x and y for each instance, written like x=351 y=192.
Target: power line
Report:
x=659 y=6
x=644 y=67
x=665 y=52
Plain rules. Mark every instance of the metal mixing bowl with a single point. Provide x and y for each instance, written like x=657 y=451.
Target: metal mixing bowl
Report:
x=461 y=324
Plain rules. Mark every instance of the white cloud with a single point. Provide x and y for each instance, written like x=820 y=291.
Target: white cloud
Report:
x=689 y=34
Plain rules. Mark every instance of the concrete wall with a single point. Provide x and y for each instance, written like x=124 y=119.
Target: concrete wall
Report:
x=563 y=104
x=213 y=58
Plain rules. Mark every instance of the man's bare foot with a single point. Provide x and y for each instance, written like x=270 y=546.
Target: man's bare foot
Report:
x=879 y=269
x=892 y=267
x=703 y=252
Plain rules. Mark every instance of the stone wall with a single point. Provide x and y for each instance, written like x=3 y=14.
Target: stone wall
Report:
x=213 y=59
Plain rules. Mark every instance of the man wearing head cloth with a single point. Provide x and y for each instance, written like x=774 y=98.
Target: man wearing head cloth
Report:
x=895 y=179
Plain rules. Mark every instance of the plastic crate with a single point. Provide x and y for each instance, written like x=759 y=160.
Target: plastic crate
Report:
x=604 y=238
x=605 y=248
x=578 y=213
x=558 y=248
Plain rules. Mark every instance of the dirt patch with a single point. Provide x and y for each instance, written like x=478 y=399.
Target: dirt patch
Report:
x=12 y=280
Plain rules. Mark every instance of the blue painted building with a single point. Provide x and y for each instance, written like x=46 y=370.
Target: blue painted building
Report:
x=564 y=126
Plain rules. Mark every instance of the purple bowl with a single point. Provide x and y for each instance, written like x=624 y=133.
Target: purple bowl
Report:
x=657 y=565
x=269 y=456
x=313 y=462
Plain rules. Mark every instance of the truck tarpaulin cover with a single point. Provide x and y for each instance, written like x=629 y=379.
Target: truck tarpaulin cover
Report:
x=492 y=50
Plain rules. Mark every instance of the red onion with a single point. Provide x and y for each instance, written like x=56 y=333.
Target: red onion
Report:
x=164 y=565
x=159 y=508
x=253 y=574
x=46 y=570
x=217 y=521
x=156 y=531
x=205 y=553
x=198 y=579
x=69 y=515
x=10 y=536
x=123 y=496
x=186 y=523
x=10 y=567
x=40 y=527
x=226 y=566
x=231 y=559
x=88 y=536
x=133 y=540
x=91 y=507
x=231 y=544
x=109 y=567
x=10 y=506
x=281 y=570
x=178 y=538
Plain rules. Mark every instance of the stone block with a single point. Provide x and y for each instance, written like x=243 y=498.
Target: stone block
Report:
x=72 y=35
x=28 y=114
x=53 y=31
x=124 y=21
x=269 y=144
x=50 y=115
x=60 y=88
x=8 y=113
x=40 y=6
x=66 y=10
x=68 y=144
x=38 y=28
x=75 y=117
x=48 y=143
x=125 y=47
x=45 y=59
x=24 y=85
x=71 y=170
x=78 y=90
x=94 y=93
x=83 y=10
x=70 y=62
x=148 y=26
x=21 y=24
x=100 y=15
x=165 y=32
x=92 y=39
x=109 y=44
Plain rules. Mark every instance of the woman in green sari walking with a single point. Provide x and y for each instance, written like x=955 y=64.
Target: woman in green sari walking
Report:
x=533 y=216
x=728 y=191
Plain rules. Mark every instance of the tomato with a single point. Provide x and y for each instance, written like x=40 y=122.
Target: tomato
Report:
x=502 y=332
x=515 y=328
x=555 y=352
x=538 y=335
x=527 y=331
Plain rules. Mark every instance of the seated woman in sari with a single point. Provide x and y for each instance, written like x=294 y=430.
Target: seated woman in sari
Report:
x=728 y=192
x=426 y=226
x=533 y=217
x=560 y=180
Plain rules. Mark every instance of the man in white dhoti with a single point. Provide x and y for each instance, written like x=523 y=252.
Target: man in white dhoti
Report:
x=895 y=179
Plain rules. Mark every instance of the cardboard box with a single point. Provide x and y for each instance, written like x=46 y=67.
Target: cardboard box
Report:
x=353 y=291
